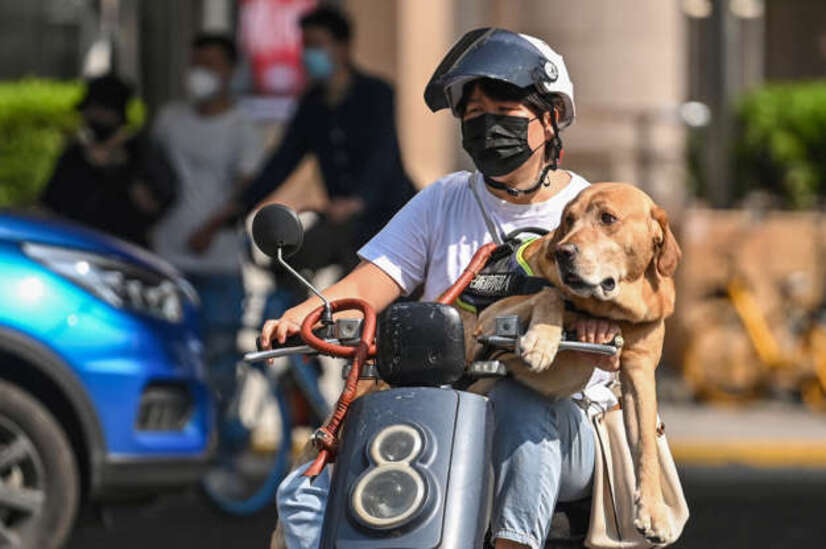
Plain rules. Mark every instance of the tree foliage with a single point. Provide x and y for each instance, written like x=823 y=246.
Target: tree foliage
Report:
x=781 y=143
x=36 y=116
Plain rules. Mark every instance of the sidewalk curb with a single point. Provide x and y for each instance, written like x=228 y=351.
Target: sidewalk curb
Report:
x=754 y=453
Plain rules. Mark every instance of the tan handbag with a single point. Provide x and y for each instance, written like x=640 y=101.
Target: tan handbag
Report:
x=612 y=506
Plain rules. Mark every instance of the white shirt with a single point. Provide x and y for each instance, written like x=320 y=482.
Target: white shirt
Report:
x=209 y=154
x=433 y=238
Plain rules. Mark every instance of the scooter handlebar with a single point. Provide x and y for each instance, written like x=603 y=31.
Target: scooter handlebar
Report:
x=293 y=345
x=510 y=343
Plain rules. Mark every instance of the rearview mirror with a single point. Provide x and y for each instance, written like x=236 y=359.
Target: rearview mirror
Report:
x=277 y=227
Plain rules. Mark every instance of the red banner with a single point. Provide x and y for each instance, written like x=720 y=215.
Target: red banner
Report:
x=271 y=37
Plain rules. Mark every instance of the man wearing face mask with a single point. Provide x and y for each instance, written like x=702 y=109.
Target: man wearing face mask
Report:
x=347 y=119
x=215 y=149
x=107 y=177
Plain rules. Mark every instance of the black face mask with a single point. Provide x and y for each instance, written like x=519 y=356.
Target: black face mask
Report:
x=102 y=131
x=497 y=143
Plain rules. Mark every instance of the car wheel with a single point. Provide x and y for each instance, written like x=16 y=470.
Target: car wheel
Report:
x=39 y=478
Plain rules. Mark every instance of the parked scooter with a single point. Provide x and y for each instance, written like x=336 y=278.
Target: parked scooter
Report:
x=413 y=464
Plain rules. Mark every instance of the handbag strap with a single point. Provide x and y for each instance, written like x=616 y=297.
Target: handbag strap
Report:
x=607 y=458
x=594 y=408
x=494 y=231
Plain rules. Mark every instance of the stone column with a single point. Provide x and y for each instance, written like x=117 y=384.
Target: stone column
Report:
x=425 y=32
x=627 y=61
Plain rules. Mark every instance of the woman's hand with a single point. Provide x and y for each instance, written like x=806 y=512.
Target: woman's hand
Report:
x=281 y=328
x=594 y=330
x=367 y=282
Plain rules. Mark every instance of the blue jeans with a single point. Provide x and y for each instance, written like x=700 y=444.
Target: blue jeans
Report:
x=222 y=297
x=543 y=452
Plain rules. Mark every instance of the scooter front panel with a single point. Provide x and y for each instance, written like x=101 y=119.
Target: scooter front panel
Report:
x=412 y=471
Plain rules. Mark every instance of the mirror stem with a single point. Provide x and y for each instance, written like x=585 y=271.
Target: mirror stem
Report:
x=327 y=317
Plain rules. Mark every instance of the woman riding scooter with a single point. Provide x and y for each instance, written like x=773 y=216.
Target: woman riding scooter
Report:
x=513 y=96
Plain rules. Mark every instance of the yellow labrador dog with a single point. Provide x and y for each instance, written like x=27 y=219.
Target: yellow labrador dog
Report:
x=613 y=257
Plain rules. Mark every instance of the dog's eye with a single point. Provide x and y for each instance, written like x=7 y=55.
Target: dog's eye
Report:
x=607 y=218
x=569 y=220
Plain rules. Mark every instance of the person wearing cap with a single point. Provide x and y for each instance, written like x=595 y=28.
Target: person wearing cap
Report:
x=107 y=177
x=514 y=96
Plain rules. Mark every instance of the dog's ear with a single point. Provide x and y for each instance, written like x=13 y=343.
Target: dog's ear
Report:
x=668 y=251
x=555 y=236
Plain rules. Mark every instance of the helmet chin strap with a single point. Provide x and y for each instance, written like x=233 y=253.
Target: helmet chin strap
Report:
x=542 y=180
x=556 y=153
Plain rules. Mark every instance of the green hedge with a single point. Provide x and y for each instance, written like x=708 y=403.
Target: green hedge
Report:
x=35 y=118
x=781 y=144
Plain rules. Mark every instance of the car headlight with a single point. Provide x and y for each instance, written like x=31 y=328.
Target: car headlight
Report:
x=121 y=284
x=392 y=492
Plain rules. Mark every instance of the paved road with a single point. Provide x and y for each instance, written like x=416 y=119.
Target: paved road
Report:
x=761 y=509
x=732 y=508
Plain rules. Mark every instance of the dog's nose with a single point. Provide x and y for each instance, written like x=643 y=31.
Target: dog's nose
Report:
x=566 y=253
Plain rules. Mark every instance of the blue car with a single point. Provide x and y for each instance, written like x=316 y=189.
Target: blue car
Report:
x=102 y=385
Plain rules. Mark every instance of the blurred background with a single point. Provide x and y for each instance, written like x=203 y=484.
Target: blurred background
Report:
x=717 y=108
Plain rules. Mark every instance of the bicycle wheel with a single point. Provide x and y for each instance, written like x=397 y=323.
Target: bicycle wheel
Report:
x=245 y=477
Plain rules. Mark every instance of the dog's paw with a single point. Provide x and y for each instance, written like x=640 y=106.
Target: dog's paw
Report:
x=538 y=348
x=651 y=520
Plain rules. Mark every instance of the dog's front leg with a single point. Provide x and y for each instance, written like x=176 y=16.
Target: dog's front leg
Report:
x=639 y=399
x=541 y=312
x=540 y=343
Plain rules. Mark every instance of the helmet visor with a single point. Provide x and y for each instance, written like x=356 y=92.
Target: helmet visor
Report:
x=482 y=53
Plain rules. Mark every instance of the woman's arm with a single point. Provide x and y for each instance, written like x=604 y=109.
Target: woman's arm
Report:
x=395 y=261
x=366 y=281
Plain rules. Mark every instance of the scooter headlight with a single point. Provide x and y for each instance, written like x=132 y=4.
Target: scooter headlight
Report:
x=397 y=443
x=387 y=496
x=392 y=492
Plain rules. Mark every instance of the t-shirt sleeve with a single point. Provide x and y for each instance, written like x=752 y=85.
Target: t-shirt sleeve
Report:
x=402 y=248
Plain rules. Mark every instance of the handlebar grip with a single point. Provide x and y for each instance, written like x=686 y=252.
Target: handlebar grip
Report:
x=511 y=343
x=618 y=340
x=292 y=341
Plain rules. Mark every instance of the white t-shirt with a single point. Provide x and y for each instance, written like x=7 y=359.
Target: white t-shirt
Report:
x=209 y=154
x=433 y=238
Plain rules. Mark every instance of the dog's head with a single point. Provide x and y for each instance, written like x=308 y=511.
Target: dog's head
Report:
x=611 y=237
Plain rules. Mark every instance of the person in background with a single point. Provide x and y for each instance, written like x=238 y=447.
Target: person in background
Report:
x=215 y=149
x=347 y=119
x=108 y=177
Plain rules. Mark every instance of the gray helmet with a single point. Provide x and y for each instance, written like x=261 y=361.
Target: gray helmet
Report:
x=519 y=59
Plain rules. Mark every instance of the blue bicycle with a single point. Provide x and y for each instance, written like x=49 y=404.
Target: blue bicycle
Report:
x=248 y=468
x=284 y=395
